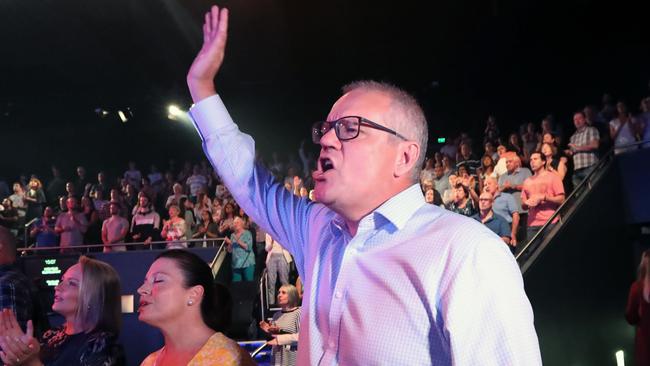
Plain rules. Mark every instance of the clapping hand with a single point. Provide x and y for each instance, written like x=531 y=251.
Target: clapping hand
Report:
x=18 y=347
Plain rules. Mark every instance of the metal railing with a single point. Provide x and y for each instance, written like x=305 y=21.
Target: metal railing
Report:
x=538 y=242
x=142 y=245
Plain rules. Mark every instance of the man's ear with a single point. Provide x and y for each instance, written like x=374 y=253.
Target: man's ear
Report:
x=408 y=153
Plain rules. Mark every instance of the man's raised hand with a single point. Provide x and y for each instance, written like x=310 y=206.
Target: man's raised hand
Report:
x=200 y=78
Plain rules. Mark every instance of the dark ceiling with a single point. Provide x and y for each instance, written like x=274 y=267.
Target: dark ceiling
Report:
x=286 y=59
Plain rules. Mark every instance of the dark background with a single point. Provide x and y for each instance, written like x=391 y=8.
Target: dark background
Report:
x=285 y=64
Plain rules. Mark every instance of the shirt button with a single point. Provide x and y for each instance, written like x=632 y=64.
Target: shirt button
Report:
x=338 y=294
x=332 y=344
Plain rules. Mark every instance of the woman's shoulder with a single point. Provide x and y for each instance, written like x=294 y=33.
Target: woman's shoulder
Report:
x=221 y=350
x=151 y=359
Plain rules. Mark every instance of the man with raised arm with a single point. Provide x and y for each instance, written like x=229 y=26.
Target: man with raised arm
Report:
x=388 y=279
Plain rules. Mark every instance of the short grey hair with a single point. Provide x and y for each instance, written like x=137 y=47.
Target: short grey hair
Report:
x=406 y=115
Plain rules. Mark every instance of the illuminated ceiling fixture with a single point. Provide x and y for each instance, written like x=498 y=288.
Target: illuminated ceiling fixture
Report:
x=122 y=116
x=101 y=112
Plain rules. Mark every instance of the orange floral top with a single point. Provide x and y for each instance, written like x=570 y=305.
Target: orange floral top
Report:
x=218 y=350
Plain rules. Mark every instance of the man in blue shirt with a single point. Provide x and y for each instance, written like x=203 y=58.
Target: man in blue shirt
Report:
x=443 y=288
x=490 y=219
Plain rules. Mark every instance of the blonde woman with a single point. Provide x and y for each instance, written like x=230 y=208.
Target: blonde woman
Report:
x=88 y=297
x=284 y=327
x=637 y=311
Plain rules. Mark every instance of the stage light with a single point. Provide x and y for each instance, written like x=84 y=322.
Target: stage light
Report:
x=101 y=112
x=174 y=110
x=122 y=116
x=620 y=358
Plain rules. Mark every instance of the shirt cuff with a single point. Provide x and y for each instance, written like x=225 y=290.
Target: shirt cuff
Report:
x=209 y=116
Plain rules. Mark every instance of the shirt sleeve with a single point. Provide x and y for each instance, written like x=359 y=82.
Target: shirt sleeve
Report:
x=231 y=152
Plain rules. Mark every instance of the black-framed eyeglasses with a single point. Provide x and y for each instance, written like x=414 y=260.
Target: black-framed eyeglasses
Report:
x=347 y=128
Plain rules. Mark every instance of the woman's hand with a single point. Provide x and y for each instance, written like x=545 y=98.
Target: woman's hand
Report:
x=18 y=348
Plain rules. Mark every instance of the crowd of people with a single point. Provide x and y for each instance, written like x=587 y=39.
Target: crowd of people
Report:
x=513 y=185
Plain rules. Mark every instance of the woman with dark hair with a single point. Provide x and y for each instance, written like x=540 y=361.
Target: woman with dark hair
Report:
x=93 y=234
x=637 y=312
x=225 y=226
x=179 y=297
x=207 y=228
x=463 y=203
x=88 y=297
x=284 y=327
x=486 y=170
x=514 y=144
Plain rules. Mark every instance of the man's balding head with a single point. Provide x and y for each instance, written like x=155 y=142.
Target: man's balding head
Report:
x=405 y=115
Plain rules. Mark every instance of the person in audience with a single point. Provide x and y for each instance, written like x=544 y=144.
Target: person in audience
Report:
x=71 y=226
x=145 y=224
x=133 y=175
x=277 y=265
x=207 y=229
x=530 y=138
x=16 y=293
x=351 y=245
x=491 y=132
x=512 y=182
x=447 y=165
x=81 y=182
x=463 y=203
x=88 y=298
x=485 y=171
x=35 y=199
x=467 y=158
x=148 y=189
x=541 y=195
x=18 y=201
x=500 y=166
x=175 y=199
x=197 y=182
x=622 y=129
x=226 y=224
x=71 y=191
x=9 y=216
x=114 y=230
x=431 y=196
x=100 y=203
x=583 y=147
x=173 y=230
x=102 y=185
x=180 y=298
x=130 y=198
x=504 y=205
x=56 y=187
x=440 y=179
x=93 y=234
x=644 y=122
x=491 y=151
x=449 y=195
x=284 y=327
x=489 y=218
x=554 y=163
x=240 y=244
x=637 y=311
x=515 y=145
x=187 y=214
x=118 y=198
x=427 y=172
x=42 y=230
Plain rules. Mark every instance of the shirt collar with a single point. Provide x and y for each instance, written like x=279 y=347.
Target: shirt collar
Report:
x=397 y=209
